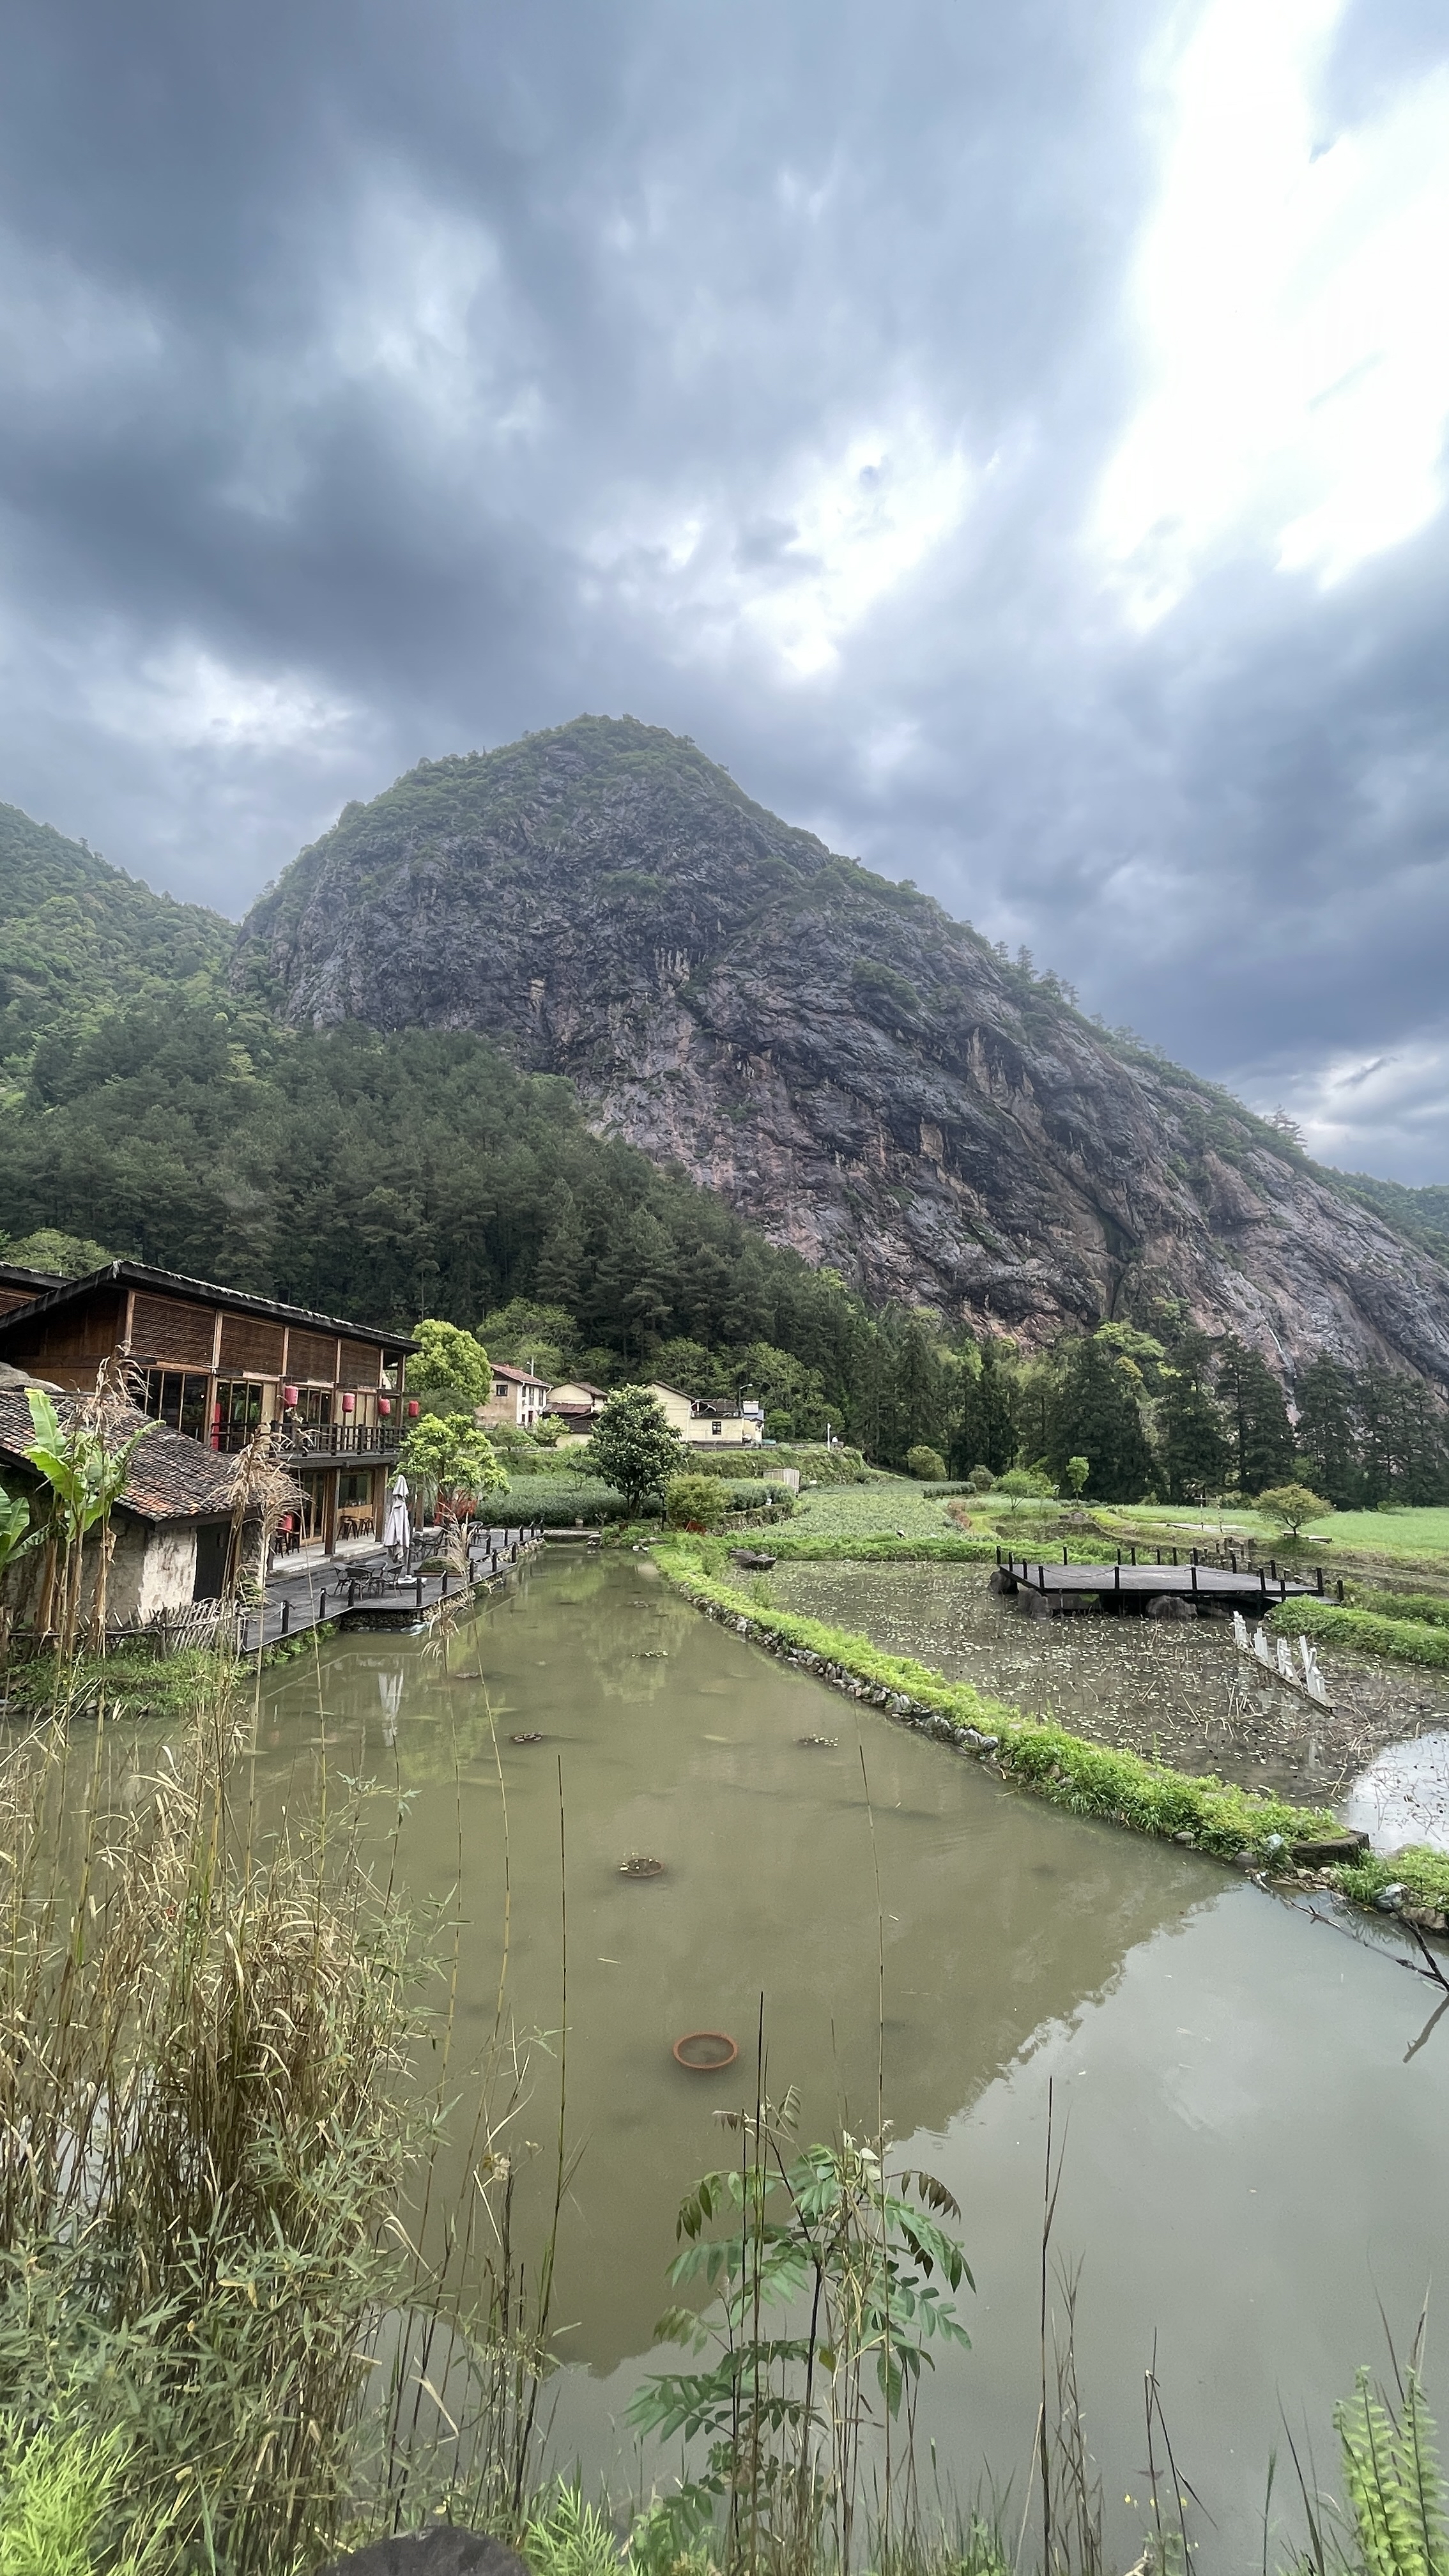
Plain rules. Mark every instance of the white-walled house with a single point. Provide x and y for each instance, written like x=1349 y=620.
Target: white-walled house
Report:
x=519 y=1399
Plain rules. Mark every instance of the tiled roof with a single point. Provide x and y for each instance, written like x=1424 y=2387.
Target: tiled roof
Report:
x=170 y=1478
x=518 y=1377
x=173 y=1283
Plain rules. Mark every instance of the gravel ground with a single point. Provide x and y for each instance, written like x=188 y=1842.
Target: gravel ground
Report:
x=1178 y=1691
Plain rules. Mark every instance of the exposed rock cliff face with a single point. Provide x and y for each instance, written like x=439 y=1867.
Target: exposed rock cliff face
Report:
x=864 y=1077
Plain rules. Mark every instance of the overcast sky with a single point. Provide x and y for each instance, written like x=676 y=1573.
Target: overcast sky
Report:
x=1010 y=438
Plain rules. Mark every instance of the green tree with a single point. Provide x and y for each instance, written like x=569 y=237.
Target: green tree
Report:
x=1097 y=1415
x=1327 y=1432
x=447 y=1455
x=1078 y=1470
x=1258 y=1426
x=558 y=1276
x=633 y=1448
x=449 y=1359
x=1196 y=1453
x=1290 y=1507
x=69 y=1256
x=987 y=1431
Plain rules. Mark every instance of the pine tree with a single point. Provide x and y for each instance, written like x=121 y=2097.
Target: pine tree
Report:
x=558 y=1277
x=1328 y=1429
x=1258 y=1425
x=1097 y=1416
x=1196 y=1452
x=987 y=1432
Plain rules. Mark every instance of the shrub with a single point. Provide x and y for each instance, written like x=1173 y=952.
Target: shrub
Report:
x=1408 y=1641
x=695 y=1502
x=1288 y=1507
x=554 y=1503
x=1026 y=1481
x=980 y=1481
x=926 y=1465
x=779 y=1426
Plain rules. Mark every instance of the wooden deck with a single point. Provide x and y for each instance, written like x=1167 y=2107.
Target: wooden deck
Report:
x=300 y=1597
x=1132 y=1586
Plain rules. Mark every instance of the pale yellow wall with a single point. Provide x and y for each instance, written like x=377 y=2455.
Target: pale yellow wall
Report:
x=736 y=1431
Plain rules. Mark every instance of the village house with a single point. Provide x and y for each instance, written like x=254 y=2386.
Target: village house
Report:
x=174 y=1530
x=575 y=1405
x=212 y=1364
x=706 y=1426
x=518 y=1401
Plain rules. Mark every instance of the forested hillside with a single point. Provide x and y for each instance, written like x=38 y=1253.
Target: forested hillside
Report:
x=77 y=939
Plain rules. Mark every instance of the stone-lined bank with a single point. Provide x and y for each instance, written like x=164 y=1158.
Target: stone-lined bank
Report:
x=1269 y=1836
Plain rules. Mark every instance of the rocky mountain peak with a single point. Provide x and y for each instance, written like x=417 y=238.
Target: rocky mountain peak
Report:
x=866 y=1079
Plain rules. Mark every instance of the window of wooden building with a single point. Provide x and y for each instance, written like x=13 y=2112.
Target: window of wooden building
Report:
x=239 y=1406
x=178 y=1398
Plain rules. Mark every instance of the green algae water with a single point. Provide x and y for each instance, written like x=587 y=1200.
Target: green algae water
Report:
x=1255 y=2102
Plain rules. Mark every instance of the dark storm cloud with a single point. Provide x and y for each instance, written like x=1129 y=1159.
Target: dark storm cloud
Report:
x=383 y=381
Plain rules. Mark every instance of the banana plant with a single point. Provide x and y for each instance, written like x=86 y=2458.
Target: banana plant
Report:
x=86 y=1475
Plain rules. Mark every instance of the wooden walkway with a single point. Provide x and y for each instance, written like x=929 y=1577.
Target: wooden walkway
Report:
x=354 y=1593
x=1132 y=1586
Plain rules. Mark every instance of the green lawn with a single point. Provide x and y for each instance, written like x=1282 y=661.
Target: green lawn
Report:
x=1397 y=1532
x=879 y=1509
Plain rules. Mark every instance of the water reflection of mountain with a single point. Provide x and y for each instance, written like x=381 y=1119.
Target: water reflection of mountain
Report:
x=681 y=1741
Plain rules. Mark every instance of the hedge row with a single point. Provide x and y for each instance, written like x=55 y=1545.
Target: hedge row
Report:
x=869 y=1550
x=556 y=1505
x=1409 y=1641
x=1087 y=1779
x=1431 y=1607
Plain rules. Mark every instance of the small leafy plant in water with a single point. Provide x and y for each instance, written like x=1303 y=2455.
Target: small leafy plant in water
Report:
x=830 y=2278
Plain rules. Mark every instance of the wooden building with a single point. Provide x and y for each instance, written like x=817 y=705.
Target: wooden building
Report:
x=18 y=1287
x=213 y=1363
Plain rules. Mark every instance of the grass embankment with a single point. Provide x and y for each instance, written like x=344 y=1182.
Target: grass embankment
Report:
x=1088 y=1779
x=129 y=1685
x=1408 y=1641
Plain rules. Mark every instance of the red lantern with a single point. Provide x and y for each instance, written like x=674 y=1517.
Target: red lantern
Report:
x=384 y=1406
x=349 y=1403
x=289 y=1397
x=412 y=1408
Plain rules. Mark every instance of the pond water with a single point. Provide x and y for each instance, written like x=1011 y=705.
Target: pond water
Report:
x=1256 y=2122
x=1176 y=1691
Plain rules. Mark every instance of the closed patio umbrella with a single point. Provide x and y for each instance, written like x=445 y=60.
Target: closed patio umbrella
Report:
x=397 y=1528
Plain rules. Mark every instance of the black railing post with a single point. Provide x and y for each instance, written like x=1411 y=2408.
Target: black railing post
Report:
x=1318 y=1570
x=322 y=1607
x=1064 y=1551
x=286 y=1616
x=1117 y=1573
x=1194 y=1569
x=1119 y=1556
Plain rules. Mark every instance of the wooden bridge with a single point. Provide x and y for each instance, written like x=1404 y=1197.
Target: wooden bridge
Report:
x=1130 y=1587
